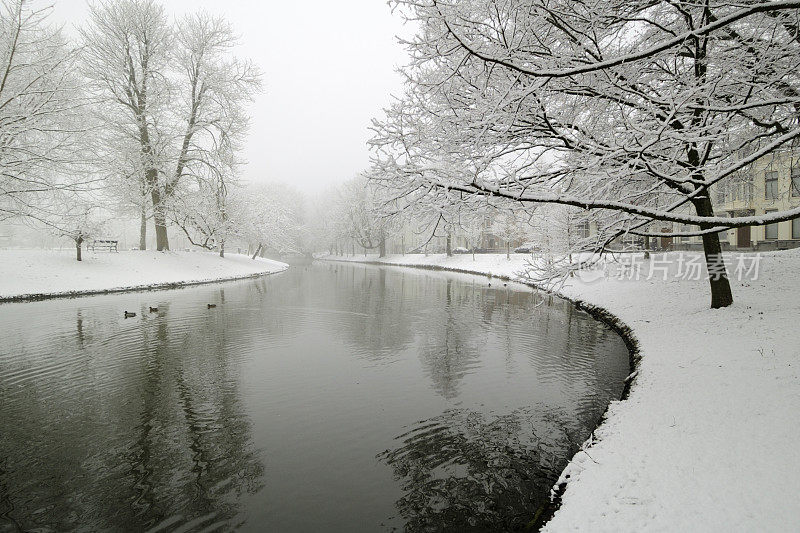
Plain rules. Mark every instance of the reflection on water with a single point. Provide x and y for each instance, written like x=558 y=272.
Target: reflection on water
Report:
x=465 y=471
x=120 y=426
x=331 y=397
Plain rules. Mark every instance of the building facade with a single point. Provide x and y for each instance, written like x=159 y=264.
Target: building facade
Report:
x=770 y=184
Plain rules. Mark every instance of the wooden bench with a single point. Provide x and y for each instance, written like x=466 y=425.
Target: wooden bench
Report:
x=103 y=244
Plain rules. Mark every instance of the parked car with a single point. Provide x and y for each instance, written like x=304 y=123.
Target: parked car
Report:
x=460 y=250
x=526 y=248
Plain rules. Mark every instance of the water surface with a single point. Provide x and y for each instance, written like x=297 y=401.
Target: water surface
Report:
x=332 y=397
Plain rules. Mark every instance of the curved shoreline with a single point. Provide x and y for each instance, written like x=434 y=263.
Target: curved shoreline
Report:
x=545 y=514
x=32 y=297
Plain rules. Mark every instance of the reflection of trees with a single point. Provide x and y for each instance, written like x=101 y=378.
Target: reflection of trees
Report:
x=449 y=341
x=7 y=523
x=149 y=422
x=193 y=455
x=80 y=336
x=463 y=471
x=155 y=431
x=382 y=309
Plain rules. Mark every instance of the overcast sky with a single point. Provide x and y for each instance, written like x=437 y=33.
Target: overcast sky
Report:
x=329 y=68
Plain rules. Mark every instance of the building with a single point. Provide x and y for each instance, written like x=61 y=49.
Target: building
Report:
x=770 y=184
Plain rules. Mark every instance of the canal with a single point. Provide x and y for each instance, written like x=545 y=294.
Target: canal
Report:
x=332 y=397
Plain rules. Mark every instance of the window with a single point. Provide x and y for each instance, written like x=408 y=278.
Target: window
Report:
x=796 y=180
x=720 y=195
x=583 y=230
x=771 y=230
x=796 y=228
x=771 y=185
x=740 y=190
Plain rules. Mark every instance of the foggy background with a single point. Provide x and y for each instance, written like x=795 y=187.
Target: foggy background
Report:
x=329 y=68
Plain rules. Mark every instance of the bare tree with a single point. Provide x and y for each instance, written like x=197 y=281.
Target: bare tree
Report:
x=507 y=226
x=174 y=91
x=473 y=224
x=82 y=222
x=204 y=215
x=212 y=87
x=260 y=215
x=42 y=125
x=126 y=48
x=636 y=109
x=365 y=219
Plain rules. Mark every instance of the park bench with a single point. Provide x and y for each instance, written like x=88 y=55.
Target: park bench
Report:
x=103 y=244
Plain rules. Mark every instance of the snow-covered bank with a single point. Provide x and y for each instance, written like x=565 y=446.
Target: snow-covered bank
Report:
x=707 y=439
x=30 y=274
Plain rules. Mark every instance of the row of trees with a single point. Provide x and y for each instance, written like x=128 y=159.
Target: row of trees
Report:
x=358 y=214
x=631 y=110
x=141 y=116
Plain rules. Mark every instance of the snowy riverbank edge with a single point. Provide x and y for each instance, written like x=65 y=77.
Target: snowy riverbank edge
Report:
x=26 y=274
x=708 y=420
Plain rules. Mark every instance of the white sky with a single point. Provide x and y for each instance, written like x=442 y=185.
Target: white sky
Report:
x=329 y=68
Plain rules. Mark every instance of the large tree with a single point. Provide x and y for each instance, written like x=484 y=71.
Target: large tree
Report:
x=211 y=89
x=637 y=109
x=175 y=92
x=126 y=51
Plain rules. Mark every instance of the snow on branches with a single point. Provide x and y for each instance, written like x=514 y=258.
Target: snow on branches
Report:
x=634 y=109
x=42 y=136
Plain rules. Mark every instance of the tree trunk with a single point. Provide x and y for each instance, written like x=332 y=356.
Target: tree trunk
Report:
x=222 y=248
x=78 y=243
x=143 y=231
x=382 y=247
x=160 y=221
x=508 y=250
x=721 y=295
x=151 y=180
x=449 y=245
x=258 y=249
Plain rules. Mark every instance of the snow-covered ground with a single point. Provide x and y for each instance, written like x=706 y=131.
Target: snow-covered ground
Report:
x=39 y=273
x=709 y=437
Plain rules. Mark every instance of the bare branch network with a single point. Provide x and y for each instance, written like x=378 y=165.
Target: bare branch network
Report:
x=636 y=111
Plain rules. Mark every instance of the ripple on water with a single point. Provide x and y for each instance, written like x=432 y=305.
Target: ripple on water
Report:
x=338 y=397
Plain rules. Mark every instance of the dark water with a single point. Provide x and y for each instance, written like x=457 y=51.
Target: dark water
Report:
x=328 y=398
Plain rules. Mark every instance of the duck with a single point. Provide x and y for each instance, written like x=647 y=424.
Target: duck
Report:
x=154 y=309
x=128 y=314
x=211 y=306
